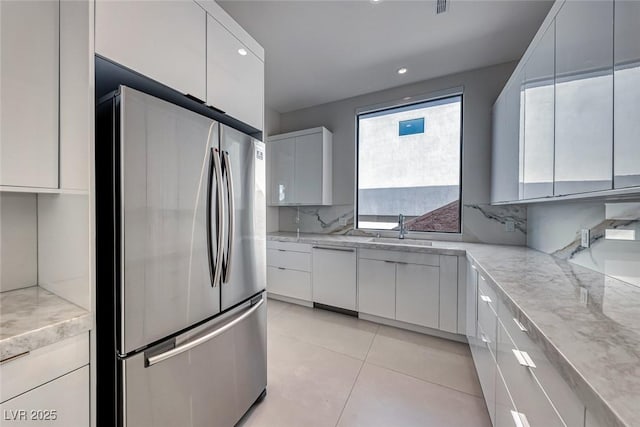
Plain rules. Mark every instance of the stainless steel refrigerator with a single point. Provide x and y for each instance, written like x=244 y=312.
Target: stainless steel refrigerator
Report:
x=180 y=231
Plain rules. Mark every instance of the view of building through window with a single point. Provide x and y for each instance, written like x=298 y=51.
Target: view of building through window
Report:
x=409 y=163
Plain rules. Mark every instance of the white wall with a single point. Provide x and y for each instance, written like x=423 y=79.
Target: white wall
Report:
x=18 y=241
x=481 y=88
x=481 y=223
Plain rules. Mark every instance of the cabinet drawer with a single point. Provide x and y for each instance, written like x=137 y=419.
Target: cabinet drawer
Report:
x=24 y=373
x=487 y=315
x=486 y=367
x=561 y=394
x=289 y=283
x=68 y=396
x=528 y=396
x=289 y=246
x=289 y=260
x=401 y=256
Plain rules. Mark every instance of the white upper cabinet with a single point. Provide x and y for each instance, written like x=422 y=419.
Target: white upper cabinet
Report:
x=539 y=118
x=584 y=97
x=76 y=93
x=300 y=165
x=627 y=94
x=235 y=76
x=29 y=74
x=163 y=40
x=505 y=144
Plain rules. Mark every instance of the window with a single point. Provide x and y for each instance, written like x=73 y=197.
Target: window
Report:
x=409 y=162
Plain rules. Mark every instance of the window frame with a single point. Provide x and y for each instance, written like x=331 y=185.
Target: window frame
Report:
x=404 y=102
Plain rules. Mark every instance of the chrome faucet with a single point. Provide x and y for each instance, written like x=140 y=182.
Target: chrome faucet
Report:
x=403 y=231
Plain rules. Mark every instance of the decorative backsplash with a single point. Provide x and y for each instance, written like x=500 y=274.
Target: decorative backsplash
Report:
x=614 y=228
x=481 y=223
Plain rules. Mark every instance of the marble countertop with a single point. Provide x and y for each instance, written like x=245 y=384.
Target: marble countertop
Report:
x=594 y=343
x=34 y=317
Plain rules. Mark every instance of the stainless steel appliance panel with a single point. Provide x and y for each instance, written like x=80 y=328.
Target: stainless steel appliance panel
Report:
x=244 y=263
x=206 y=378
x=166 y=159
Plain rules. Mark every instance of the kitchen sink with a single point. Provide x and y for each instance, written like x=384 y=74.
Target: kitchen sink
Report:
x=404 y=242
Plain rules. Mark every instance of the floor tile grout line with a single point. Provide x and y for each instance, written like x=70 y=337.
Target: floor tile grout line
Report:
x=423 y=380
x=356 y=379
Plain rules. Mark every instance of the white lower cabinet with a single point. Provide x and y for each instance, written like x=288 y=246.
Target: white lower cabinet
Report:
x=521 y=381
x=520 y=385
x=334 y=276
x=418 y=294
x=486 y=367
x=62 y=402
x=47 y=386
x=377 y=288
x=289 y=270
x=289 y=283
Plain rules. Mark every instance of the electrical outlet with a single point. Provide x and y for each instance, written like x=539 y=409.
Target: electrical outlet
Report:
x=585 y=235
x=342 y=221
x=584 y=295
x=510 y=226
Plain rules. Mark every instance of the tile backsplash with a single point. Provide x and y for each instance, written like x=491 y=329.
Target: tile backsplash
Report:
x=614 y=247
x=481 y=223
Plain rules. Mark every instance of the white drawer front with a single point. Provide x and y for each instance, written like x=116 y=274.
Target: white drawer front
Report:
x=561 y=394
x=43 y=364
x=289 y=283
x=401 y=256
x=63 y=402
x=289 y=246
x=290 y=260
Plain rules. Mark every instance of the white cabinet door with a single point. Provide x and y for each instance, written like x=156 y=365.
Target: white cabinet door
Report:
x=334 y=277
x=539 y=118
x=418 y=294
x=627 y=94
x=62 y=402
x=448 y=311
x=308 y=169
x=584 y=97
x=76 y=93
x=29 y=62
x=505 y=151
x=235 y=76
x=472 y=301
x=282 y=153
x=163 y=40
x=377 y=288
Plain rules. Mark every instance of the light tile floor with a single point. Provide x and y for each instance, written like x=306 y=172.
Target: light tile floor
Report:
x=327 y=369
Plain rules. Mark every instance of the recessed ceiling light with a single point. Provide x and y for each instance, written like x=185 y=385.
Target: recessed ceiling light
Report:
x=402 y=70
x=406 y=98
x=242 y=51
x=375 y=1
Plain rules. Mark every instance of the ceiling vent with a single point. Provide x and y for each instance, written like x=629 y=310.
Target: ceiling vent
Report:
x=441 y=6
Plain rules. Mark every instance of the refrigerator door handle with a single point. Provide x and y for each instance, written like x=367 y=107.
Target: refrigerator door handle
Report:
x=219 y=216
x=209 y=242
x=226 y=168
x=152 y=360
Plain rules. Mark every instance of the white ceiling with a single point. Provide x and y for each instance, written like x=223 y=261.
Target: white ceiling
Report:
x=323 y=51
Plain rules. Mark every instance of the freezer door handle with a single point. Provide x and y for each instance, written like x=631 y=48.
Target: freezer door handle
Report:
x=226 y=169
x=152 y=360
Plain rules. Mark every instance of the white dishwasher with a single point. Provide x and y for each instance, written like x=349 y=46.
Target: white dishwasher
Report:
x=334 y=276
